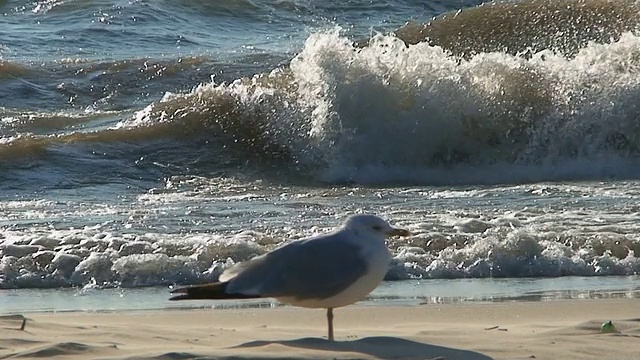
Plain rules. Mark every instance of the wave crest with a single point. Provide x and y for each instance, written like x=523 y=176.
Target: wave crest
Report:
x=526 y=27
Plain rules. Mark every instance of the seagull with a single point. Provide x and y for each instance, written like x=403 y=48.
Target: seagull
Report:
x=325 y=271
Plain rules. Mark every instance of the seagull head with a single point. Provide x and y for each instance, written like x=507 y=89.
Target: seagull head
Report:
x=373 y=225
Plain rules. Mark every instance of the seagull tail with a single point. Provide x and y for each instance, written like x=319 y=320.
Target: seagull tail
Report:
x=213 y=291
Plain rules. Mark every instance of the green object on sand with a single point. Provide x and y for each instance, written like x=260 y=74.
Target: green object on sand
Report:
x=608 y=328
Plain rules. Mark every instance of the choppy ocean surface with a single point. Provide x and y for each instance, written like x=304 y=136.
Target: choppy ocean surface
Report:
x=149 y=143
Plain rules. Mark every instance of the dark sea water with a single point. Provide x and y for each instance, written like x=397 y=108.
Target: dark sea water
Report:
x=148 y=143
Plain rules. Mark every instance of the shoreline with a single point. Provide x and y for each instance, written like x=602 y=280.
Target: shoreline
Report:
x=389 y=293
x=559 y=329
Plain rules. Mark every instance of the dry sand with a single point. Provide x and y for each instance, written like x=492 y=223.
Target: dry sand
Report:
x=509 y=330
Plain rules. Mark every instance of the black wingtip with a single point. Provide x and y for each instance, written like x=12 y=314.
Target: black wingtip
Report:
x=179 y=297
x=196 y=292
x=213 y=291
x=181 y=293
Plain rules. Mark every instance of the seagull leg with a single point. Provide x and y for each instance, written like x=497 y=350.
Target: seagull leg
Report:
x=330 y=323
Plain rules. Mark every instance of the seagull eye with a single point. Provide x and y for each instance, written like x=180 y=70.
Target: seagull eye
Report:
x=377 y=228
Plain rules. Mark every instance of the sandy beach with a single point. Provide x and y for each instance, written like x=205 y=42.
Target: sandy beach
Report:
x=507 y=330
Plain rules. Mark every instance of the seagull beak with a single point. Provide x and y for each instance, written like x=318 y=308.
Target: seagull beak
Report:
x=398 y=232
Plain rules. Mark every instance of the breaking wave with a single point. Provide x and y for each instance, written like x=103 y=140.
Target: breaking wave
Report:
x=414 y=107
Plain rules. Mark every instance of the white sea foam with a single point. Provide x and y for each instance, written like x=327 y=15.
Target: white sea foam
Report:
x=397 y=113
x=455 y=236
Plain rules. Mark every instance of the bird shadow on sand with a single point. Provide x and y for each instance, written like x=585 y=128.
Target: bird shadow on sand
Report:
x=383 y=347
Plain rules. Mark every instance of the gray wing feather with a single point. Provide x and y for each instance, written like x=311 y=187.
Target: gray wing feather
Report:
x=314 y=268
